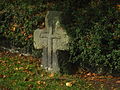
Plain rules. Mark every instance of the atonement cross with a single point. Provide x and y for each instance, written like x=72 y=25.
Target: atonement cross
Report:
x=51 y=39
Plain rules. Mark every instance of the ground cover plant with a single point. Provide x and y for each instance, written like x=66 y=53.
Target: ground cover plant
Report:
x=22 y=73
x=18 y=72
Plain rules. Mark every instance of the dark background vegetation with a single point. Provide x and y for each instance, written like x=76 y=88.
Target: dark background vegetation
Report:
x=93 y=25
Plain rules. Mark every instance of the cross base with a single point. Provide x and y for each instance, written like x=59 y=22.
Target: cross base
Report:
x=52 y=65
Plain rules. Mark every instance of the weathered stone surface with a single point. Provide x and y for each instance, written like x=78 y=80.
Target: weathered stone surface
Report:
x=58 y=33
x=51 y=39
x=39 y=41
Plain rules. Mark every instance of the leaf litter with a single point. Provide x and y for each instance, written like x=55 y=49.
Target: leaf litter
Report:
x=11 y=60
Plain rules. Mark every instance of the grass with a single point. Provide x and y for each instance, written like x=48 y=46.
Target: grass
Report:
x=18 y=73
x=24 y=73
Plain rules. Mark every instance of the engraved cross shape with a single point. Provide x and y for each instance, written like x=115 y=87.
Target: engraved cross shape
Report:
x=51 y=40
x=49 y=54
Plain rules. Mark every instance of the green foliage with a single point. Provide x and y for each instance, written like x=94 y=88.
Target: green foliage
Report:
x=18 y=20
x=94 y=28
x=95 y=37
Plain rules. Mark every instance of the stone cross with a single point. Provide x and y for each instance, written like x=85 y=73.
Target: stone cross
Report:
x=51 y=39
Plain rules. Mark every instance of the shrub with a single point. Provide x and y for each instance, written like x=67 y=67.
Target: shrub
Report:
x=18 y=20
x=95 y=37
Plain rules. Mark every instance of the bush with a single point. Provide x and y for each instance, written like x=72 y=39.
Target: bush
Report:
x=18 y=20
x=95 y=37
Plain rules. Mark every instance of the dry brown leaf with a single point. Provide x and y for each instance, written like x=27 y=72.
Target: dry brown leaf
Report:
x=31 y=73
x=21 y=68
x=43 y=83
x=51 y=75
x=39 y=87
x=69 y=84
x=38 y=82
x=30 y=85
x=13 y=29
x=94 y=74
x=16 y=68
x=18 y=62
x=89 y=74
x=118 y=81
x=30 y=36
x=1 y=76
x=109 y=76
x=42 y=75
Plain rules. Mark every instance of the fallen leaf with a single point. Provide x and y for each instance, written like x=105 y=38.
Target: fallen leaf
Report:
x=69 y=84
x=23 y=32
x=30 y=85
x=1 y=76
x=18 y=62
x=43 y=83
x=30 y=79
x=109 y=76
x=92 y=78
x=31 y=73
x=15 y=25
x=102 y=80
x=38 y=87
x=38 y=82
x=26 y=70
x=89 y=74
x=102 y=85
x=118 y=6
x=61 y=84
x=13 y=29
x=51 y=75
x=41 y=65
x=118 y=81
x=16 y=68
x=90 y=84
x=26 y=39
x=94 y=74
x=30 y=36
x=42 y=75
x=21 y=68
